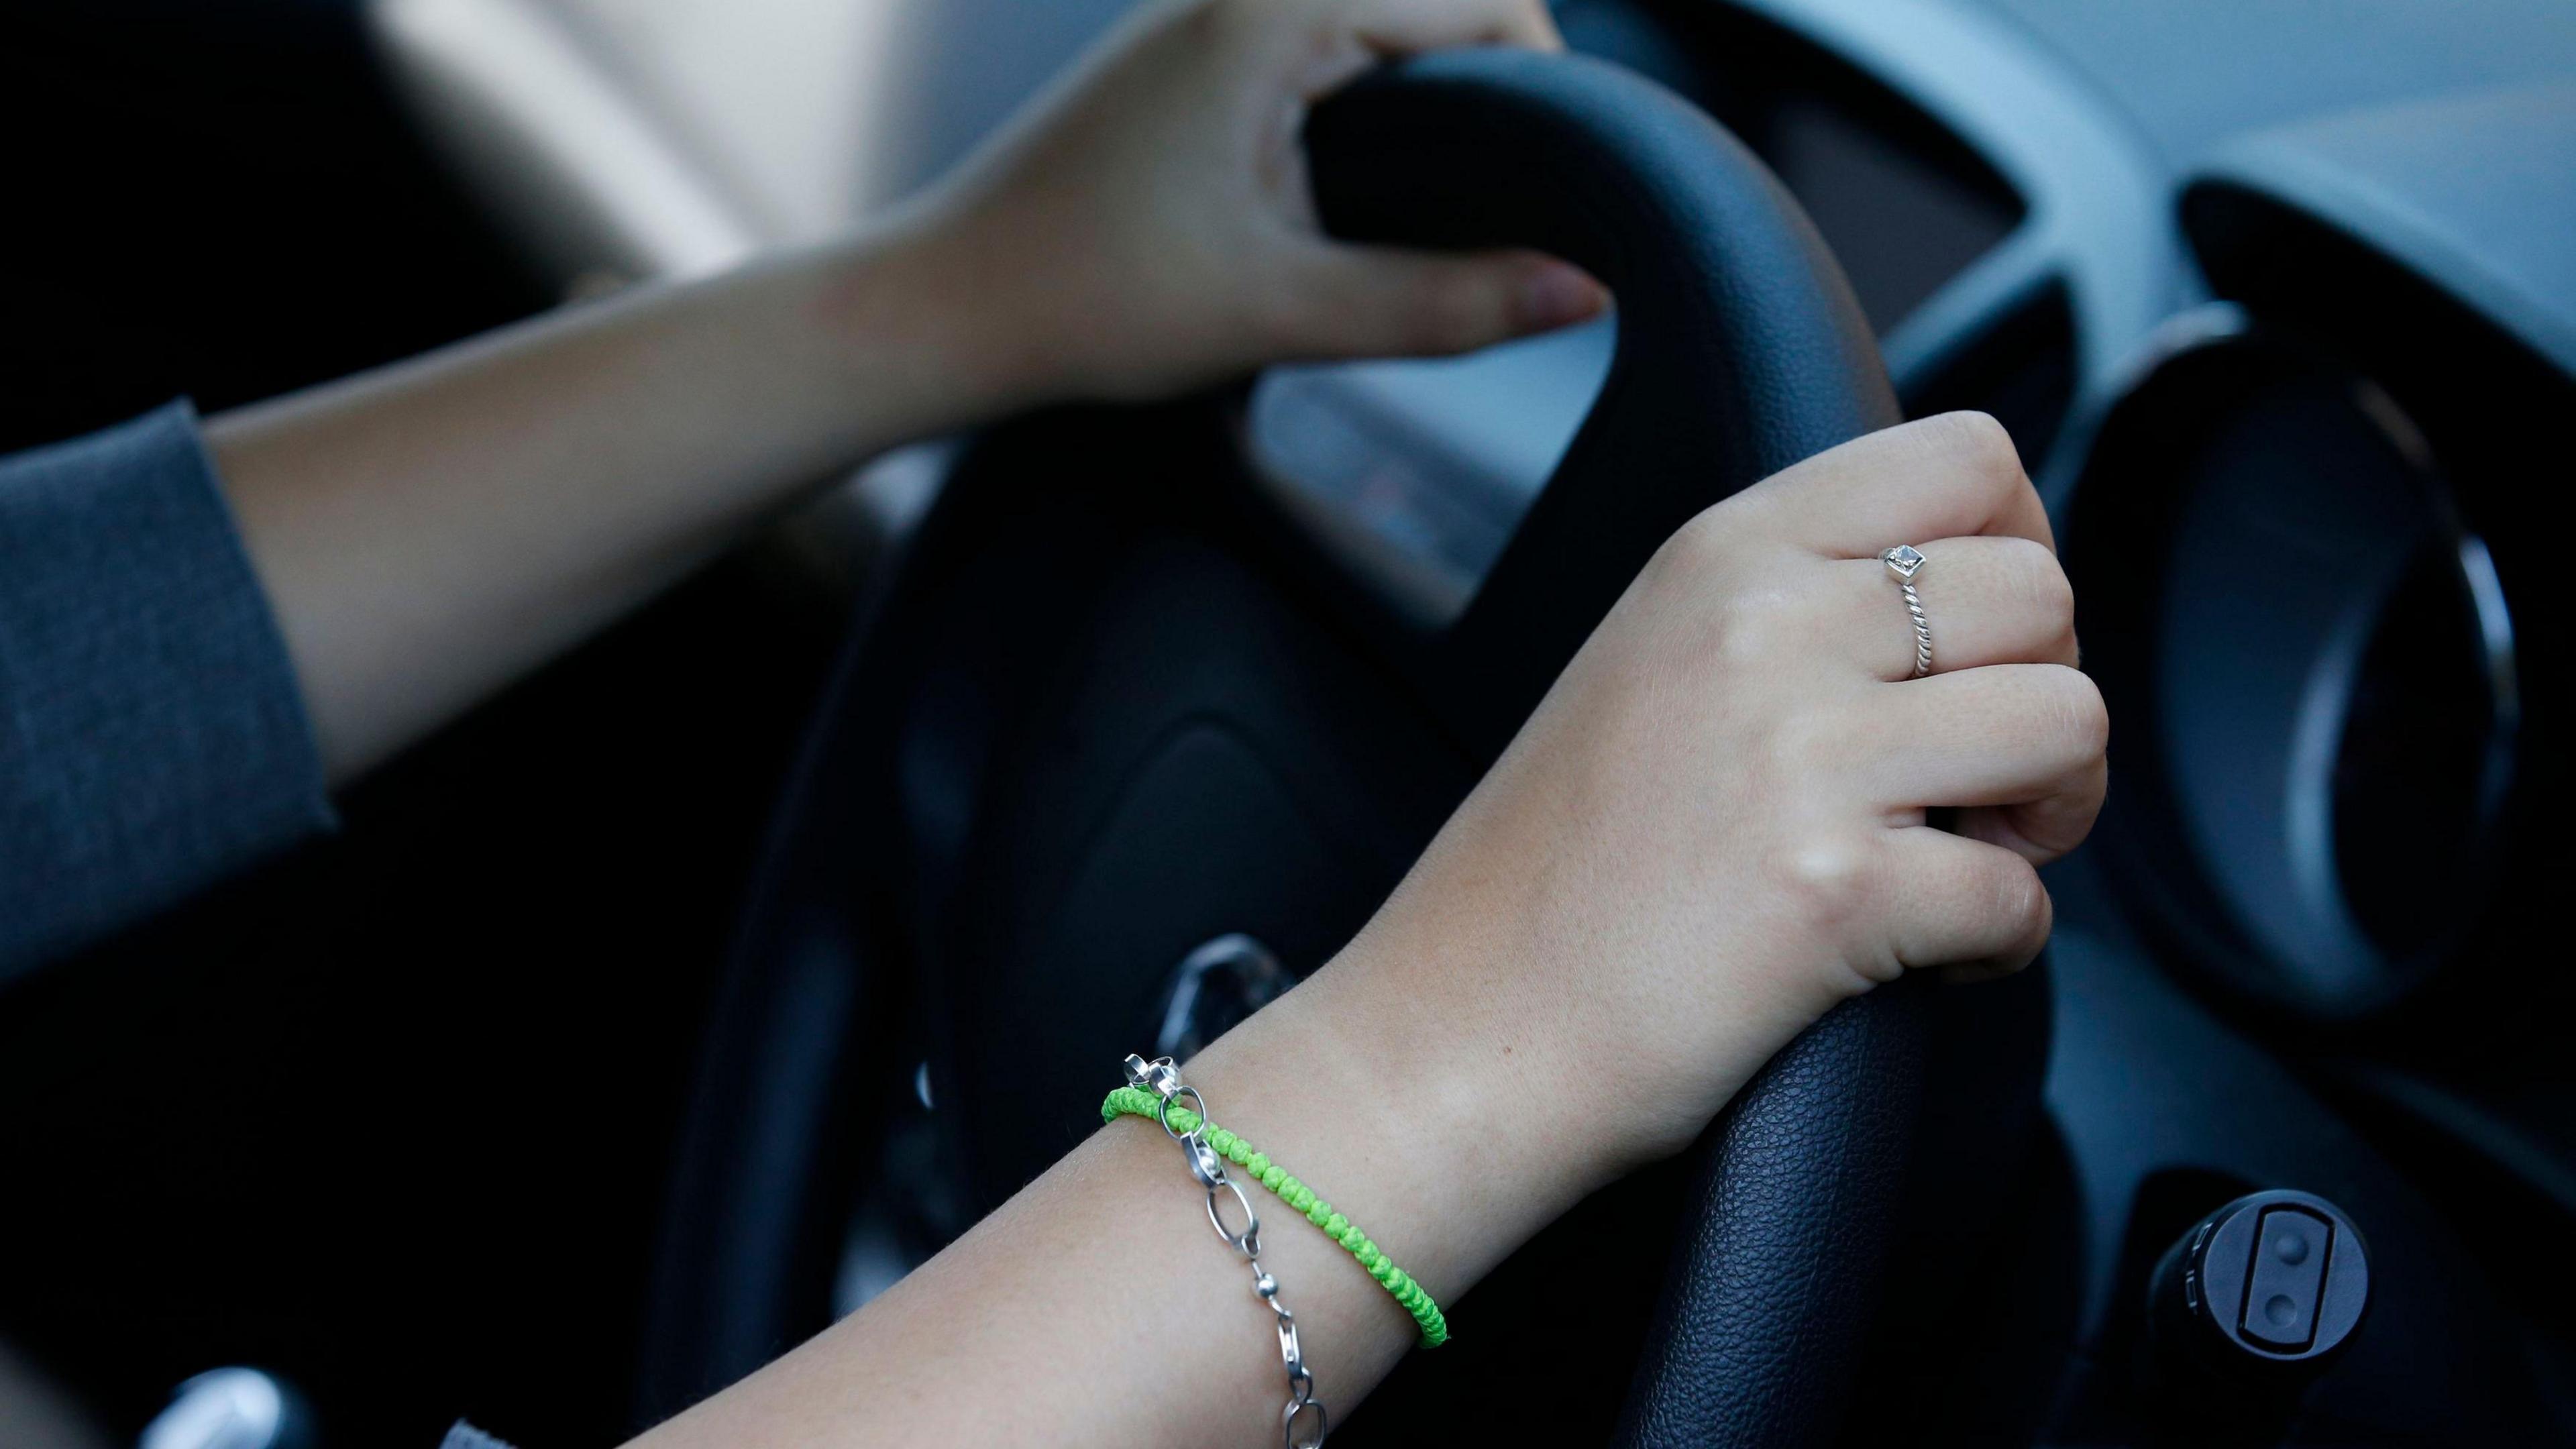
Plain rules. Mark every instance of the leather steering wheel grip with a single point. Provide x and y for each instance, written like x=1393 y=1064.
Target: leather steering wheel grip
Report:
x=1740 y=352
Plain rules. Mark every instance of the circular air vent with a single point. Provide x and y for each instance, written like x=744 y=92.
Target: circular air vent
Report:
x=2311 y=672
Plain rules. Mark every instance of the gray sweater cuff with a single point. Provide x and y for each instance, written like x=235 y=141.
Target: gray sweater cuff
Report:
x=151 y=734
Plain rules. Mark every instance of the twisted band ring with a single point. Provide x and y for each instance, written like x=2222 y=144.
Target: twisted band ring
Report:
x=1903 y=562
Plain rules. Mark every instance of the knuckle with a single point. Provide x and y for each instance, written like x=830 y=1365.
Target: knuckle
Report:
x=2021 y=899
x=2055 y=593
x=1829 y=880
x=2038 y=581
x=1980 y=443
x=1761 y=620
x=2076 y=715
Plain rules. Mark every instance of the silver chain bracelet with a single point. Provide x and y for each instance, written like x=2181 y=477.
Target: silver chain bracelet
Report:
x=1302 y=1422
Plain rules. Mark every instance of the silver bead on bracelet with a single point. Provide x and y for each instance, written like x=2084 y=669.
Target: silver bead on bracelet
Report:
x=1302 y=1422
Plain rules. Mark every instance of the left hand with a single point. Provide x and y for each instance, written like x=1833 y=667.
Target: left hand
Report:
x=1145 y=226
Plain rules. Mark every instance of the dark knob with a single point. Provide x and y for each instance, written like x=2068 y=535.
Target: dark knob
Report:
x=2260 y=1295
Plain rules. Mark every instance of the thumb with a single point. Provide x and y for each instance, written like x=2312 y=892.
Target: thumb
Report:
x=1365 y=301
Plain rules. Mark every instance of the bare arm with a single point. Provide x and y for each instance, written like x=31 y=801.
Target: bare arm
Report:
x=429 y=531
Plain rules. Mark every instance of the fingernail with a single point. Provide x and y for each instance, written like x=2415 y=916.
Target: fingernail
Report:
x=1558 y=295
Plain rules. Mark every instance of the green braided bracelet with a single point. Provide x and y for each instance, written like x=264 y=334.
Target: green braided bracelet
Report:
x=1139 y=1102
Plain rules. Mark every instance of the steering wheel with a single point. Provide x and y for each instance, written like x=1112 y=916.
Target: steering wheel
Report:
x=1105 y=712
x=1740 y=351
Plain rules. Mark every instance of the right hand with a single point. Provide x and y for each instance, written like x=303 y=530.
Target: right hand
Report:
x=1145 y=226
x=1714 y=828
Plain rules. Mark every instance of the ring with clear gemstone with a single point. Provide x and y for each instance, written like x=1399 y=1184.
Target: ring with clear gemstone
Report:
x=1903 y=562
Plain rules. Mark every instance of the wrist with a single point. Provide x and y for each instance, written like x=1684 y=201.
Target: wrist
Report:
x=1451 y=1145
x=1451 y=1033
x=924 y=311
x=1536 y=1048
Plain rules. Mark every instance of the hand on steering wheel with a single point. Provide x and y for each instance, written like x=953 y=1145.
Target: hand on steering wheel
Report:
x=1714 y=828
x=1146 y=228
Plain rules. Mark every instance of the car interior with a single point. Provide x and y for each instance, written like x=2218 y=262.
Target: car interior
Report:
x=680 y=1001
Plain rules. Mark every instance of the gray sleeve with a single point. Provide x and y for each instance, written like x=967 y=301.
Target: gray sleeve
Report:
x=151 y=735
x=466 y=1436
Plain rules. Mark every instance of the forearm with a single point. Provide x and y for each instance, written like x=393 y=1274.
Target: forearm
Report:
x=431 y=530
x=1098 y=1307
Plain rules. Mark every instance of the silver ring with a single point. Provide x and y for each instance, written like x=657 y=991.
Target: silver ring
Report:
x=1903 y=562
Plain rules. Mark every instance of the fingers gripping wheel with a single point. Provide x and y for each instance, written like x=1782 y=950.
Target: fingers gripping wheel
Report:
x=1740 y=352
